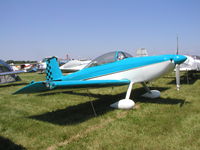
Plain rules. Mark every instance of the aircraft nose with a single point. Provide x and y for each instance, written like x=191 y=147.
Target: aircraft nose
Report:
x=178 y=59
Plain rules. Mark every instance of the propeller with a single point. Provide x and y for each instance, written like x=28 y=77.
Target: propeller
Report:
x=177 y=77
x=177 y=69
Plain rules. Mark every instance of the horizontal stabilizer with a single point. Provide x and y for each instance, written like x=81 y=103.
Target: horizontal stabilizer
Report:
x=33 y=88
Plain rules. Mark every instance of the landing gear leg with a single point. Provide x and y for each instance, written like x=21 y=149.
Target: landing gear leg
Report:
x=125 y=103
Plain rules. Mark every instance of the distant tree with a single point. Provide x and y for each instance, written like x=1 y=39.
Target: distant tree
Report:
x=9 y=61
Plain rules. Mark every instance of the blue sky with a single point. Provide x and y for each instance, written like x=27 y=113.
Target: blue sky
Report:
x=34 y=29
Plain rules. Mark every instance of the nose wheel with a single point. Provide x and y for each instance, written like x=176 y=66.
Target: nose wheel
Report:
x=150 y=93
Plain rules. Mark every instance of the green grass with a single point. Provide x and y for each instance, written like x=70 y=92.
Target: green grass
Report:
x=64 y=120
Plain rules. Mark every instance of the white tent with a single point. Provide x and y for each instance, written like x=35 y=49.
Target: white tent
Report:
x=4 y=67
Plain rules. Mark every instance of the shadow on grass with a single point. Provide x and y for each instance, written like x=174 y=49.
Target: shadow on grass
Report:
x=82 y=112
x=163 y=101
x=140 y=91
x=13 y=84
x=6 y=144
x=186 y=78
x=78 y=113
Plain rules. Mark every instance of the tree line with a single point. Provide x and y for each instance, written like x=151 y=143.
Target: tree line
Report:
x=20 y=61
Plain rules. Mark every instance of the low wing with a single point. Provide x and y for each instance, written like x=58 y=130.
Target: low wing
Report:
x=11 y=72
x=45 y=85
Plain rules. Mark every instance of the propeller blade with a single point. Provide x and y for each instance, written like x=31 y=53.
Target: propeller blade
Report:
x=178 y=77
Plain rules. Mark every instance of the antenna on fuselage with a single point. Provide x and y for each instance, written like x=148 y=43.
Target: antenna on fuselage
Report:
x=177 y=46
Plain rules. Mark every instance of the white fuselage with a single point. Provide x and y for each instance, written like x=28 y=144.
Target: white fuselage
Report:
x=141 y=74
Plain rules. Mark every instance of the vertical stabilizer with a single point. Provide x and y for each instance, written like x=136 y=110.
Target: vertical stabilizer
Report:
x=53 y=71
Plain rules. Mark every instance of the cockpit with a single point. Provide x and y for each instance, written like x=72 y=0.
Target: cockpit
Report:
x=108 y=58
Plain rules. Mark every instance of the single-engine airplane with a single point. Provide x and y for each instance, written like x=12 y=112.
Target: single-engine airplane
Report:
x=111 y=69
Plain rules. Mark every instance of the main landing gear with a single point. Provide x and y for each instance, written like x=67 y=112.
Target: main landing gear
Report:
x=127 y=103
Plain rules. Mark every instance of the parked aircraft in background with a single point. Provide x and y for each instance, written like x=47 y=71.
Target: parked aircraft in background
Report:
x=110 y=69
x=74 y=65
x=42 y=66
x=191 y=64
x=141 y=52
x=32 y=67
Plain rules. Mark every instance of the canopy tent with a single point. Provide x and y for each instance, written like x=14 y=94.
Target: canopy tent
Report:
x=4 y=67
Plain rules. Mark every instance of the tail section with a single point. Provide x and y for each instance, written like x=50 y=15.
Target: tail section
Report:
x=53 y=71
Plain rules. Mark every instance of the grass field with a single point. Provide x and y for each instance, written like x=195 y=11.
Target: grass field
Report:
x=65 y=120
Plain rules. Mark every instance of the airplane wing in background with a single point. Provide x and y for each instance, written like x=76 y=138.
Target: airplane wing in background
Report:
x=11 y=72
x=50 y=85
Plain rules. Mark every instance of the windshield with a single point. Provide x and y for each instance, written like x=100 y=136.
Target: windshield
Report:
x=108 y=58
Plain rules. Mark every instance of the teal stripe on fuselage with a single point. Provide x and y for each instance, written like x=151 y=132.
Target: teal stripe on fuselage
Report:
x=118 y=66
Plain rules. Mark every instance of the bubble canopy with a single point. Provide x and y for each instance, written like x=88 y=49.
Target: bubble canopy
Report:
x=108 y=58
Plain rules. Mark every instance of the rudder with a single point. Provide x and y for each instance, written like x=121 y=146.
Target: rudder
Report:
x=53 y=71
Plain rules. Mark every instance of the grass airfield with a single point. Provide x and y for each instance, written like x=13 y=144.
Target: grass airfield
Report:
x=63 y=120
